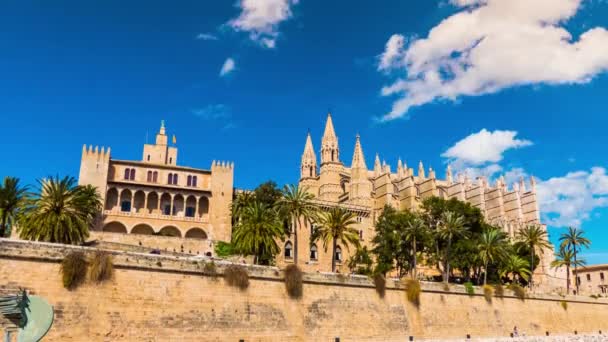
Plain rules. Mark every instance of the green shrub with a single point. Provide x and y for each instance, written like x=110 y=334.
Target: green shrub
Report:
x=499 y=290
x=101 y=268
x=564 y=304
x=412 y=290
x=224 y=249
x=73 y=270
x=293 y=281
x=380 y=284
x=594 y=296
x=468 y=286
x=446 y=287
x=210 y=269
x=237 y=276
x=518 y=291
x=488 y=292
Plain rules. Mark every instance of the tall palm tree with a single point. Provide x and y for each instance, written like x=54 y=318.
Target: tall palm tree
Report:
x=294 y=205
x=535 y=237
x=61 y=212
x=565 y=258
x=257 y=231
x=12 y=195
x=415 y=230
x=333 y=226
x=515 y=265
x=574 y=239
x=450 y=226
x=492 y=246
x=240 y=202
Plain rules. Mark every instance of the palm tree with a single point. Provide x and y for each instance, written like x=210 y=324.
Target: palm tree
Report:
x=257 y=231
x=450 y=226
x=492 y=246
x=515 y=265
x=294 y=205
x=535 y=237
x=415 y=230
x=333 y=226
x=574 y=239
x=565 y=258
x=241 y=200
x=12 y=196
x=60 y=212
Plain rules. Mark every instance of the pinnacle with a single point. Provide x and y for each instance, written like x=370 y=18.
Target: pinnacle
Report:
x=358 y=158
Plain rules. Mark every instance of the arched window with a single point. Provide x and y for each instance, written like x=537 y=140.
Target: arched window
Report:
x=175 y=179
x=338 y=255
x=189 y=181
x=148 y=157
x=170 y=179
x=155 y=176
x=361 y=235
x=149 y=176
x=132 y=174
x=314 y=256
x=171 y=160
x=194 y=181
x=288 y=250
x=310 y=170
x=332 y=155
x=127 y=173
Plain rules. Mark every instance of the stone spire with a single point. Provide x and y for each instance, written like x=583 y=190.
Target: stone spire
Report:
x=161 y=137
x=308 y=167
x=421 y=171
x=431 y=173
x=522 y=184
x=448 y=175
x=377 y=166
x=532 y=184
x=330 y=151
x=360 y=186
x=400 y=173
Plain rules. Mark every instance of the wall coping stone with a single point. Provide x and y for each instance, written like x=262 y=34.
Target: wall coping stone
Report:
x=54 y=253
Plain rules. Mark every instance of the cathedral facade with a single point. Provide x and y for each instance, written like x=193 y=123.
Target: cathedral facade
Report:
x=365 y=192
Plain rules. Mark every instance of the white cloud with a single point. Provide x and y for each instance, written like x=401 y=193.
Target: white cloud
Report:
x=569 y=200
x=261 y=19
x=228 y=67
x=491 y=45
x=484 y=147
x=206 y=36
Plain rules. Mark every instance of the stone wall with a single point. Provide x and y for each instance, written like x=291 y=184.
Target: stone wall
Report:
x=167 y=298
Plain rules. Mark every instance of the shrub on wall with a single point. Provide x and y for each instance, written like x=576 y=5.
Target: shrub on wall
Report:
x=499 y=290
x=210 y=269
x=237 y=276
x=468 y=286
x=293 y=281
x=101 y=268
x=564 y=304
x=380 y=284
x=518 y=291
x=488 y=292
x=73 y=270
x=412 y=290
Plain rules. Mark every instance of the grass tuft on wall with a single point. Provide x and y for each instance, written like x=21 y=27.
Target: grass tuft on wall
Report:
x=412 y=291
x=210 y=269
x=468 y=286
x=380 y=284
x=488 y=293
x=499 y=290
x=293 y=281
x=101 y=267
x=73 y=270
x=518 y=291
x=237 y=276
x=564 y=304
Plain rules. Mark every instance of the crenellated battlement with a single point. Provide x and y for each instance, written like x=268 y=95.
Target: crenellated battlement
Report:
x=95 y=152
x=222 y=165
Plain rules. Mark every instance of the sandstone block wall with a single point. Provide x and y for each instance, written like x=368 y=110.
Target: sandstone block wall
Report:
x=165 y=298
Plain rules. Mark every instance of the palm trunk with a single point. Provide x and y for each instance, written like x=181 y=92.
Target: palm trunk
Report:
x=333 y=256
x=575 y=272
x=3 y=225
x=568 y=279
x=485 y=274
x=447 y=262
x=414 y=272
x=295 y=241
x=531 y=265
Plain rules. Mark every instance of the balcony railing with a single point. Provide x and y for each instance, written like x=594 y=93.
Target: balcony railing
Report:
x=179 y=217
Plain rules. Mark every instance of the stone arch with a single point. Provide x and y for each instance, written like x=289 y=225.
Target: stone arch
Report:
x=170 y=231
x=165 y=204
x=178 y=205
x=196 y=233
x=203 y=206
x=139 y=199
x=125 y=200
x=111 y=199
x=190 y=207
x=339 y=255
x=114 y=227
x=152 y=203
x=288 y=250
x=314 y=253
x=142 y=229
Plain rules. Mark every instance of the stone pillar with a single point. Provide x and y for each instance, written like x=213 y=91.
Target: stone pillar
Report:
x=198 y=198
x=146 y=202
x=132 y=201
x=171 y=208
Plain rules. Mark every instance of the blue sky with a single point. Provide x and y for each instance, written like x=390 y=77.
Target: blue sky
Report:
x=245 y=80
